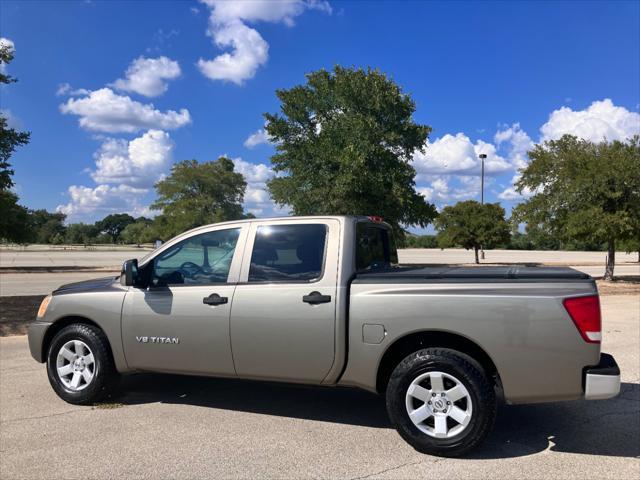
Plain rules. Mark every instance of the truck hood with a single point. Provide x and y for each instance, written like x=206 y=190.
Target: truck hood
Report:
x=93 y=285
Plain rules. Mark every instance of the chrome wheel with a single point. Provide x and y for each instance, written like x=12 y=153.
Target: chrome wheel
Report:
x=439 y=404
x=75 y=365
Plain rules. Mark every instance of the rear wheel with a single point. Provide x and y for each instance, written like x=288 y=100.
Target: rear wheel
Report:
x=79 y=365
x=441 y=402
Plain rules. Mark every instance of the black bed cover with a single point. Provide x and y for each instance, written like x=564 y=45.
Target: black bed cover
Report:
x=445 y=273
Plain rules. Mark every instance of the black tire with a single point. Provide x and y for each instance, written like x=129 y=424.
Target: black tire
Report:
x=468 y=372
x=105 y=376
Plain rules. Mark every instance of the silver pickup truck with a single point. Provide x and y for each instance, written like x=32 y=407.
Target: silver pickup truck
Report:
x=321 y=300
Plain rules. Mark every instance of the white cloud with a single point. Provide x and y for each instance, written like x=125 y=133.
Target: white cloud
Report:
x=125 y=172
x=249 y=51
x=12 y=120
x=256 y=198
x=87 y=202
x=140 y=162
x=456 y=154
x=67 y=89
x=283 y=11
x=518 y=144
x=601 y=120
x=105 y=111
x=258 y=137
x=4 y=43
x=440 y=190
x=256 y=173
x=148 y=76
x=510 y=193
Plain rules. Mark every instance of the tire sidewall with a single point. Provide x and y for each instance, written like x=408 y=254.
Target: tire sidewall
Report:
x=94 y=390
x=464 y=370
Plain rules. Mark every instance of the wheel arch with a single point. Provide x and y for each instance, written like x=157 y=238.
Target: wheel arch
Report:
x=63 y=322
x=412 y=342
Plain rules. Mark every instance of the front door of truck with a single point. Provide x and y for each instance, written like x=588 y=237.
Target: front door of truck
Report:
x=180 y=323
x=284 y=307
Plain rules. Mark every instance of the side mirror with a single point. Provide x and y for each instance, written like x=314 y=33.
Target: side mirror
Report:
x=129 y=273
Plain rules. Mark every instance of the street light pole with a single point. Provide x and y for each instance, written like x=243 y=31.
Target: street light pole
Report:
x=482 y=157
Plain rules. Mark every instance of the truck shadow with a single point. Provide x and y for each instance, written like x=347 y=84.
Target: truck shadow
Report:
x=610 y=427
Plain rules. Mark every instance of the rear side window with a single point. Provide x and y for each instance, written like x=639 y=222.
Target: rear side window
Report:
x=375 y=247
x=288 y=253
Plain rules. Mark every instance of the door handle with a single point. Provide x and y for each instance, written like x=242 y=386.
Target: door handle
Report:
x=315 y=298
x=215 y=299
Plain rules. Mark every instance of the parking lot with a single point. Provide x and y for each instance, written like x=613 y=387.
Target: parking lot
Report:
x=165 y=426
x=38 y=271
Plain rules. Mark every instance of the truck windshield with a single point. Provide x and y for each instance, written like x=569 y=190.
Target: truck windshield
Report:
x=375 y=247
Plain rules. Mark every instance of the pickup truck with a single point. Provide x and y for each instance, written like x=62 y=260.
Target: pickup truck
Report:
x=322 y=300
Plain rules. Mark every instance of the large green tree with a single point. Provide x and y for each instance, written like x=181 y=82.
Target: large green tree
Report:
x=584 y=191
x=81 y=233
x=472 y=225
x=344 y=143
x=141 y=231
x=12 y=216
x=196 y=194
x=114 y=224
x=46 y=227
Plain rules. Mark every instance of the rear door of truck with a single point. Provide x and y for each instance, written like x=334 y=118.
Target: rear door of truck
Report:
x=284 y=309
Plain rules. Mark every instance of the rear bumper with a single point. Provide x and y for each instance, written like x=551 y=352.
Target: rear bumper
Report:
x=603 y=380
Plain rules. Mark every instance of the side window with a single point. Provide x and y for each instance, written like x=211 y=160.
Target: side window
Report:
x=199 y=260
x=375 y=247
x=288 y=253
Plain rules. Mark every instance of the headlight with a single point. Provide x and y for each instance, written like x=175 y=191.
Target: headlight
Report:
x=43 y=306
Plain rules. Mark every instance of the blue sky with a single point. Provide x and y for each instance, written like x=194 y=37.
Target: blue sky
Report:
x=488 y=77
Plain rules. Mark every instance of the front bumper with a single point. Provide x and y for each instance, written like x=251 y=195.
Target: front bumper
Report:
x=603 y=380
x=35 y=334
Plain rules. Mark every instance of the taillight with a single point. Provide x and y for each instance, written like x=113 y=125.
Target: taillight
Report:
x=376 y=218
x=585 y=313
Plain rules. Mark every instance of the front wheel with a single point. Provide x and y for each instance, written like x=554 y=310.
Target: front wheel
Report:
x=441 y=402
x=79 y=365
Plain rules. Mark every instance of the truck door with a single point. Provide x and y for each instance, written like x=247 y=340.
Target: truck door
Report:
x=284 y=309
x=180 y=323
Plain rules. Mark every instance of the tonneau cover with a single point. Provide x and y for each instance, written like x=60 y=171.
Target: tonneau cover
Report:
x=445 y=273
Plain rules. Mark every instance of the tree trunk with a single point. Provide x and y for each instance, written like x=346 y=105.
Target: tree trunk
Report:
x=611 y=260
x=475 y=249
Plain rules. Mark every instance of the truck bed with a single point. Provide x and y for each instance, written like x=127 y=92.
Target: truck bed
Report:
x=480 y=274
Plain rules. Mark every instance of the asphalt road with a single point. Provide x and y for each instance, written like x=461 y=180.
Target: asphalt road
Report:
x=186 y=427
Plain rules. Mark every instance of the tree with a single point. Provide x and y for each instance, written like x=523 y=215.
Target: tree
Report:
x=45 y=226
x=141 y=231
x=344 y=143
x=196 y=194
x=81 y=233
x=13 y=218
x=12 y=215
x=114 y=224
x=421 y=241
x=584 y=191
x=472 y=225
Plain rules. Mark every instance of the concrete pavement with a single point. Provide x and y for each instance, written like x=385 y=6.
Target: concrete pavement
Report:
x=53 y=258
x=185 y=427
x=66 y=266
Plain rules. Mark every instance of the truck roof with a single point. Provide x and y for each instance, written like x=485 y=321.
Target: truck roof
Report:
x=268 y=219
x=293 y=217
